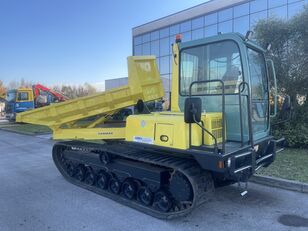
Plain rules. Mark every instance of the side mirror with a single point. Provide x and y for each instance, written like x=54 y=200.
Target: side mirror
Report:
x=192 y=110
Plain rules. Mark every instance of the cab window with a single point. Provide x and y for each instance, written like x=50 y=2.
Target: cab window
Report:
x=214 y=61
x=23 y=96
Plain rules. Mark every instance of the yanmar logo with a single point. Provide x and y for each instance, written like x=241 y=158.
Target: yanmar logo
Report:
x=104 y=133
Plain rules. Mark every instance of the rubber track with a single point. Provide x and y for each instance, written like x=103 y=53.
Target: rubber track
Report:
x=201 y=180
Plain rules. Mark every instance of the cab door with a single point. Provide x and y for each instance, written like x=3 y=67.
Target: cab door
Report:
x=259 y=94
x=24 y=101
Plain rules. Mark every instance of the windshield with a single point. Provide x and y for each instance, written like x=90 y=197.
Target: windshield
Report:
x=11 y=95
x=219 y=60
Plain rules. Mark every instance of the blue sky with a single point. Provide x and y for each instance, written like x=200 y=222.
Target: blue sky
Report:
x=73 y=41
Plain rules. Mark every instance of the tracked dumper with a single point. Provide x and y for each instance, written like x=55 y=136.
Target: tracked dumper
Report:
x=165 y=164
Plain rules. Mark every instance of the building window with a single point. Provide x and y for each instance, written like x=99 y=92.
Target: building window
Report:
x=154 y=35
x=155 y=48
x=146 y=38
x=258 y=5
x=210 y=19
x=146 y=49
x=225 y=27
x=225 y=15
x=279 y=12
x=164 y=32
x=210 y=30
x=164 y=65
x=186 y=36
x=295 y=8
x=175 y=29
x=241 y=10
x=197 y=23
x=138 y=50
x=241 y=24
x=185 y=26
x=164 y=47
x=197 y=34
x=275 y=3
x=254 y=18
x=137 y=40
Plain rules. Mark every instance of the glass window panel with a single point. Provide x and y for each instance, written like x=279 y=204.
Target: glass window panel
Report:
x=241 y=24
x=197 y=34
x=210 y=30
x=186 y=36
x=170 y=63
x=295 y=8
x=146 y=49
x=138 y=50
x=197 y=23
x=154 y=35
x=155 y=48
x=22 y=96
x=254 y=18
x=279 y=12
x=290 y=1
x=225 y=27
x=146 y=38
x=241 y=10
x=275 y=3
x=225 y=14
x=185 y=26
x=164 y=65
x=164 y=32
x=157 y=62
x=164 y=46
x=137 y=40
x=167 y=84
x=258 y=5
x=210 y=19
x=175 y=29
x=213 y=61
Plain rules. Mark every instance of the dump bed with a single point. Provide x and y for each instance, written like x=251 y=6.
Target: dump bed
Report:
x=144 y=83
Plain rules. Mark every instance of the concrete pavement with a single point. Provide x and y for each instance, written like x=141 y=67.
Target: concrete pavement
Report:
x=33 y=196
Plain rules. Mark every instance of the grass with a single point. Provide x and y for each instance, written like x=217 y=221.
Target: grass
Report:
x=291 y=164
x=29 y=129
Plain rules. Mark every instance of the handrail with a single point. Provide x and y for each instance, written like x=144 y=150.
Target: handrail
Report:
x=249 y=112
x=223 y=110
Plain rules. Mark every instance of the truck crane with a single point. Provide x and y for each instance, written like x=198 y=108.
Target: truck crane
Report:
x=165 y=164
x=24 y=99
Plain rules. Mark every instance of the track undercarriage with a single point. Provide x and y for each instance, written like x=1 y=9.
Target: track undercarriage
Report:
x=160 y=185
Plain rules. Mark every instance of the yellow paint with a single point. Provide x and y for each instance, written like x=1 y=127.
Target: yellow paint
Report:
x=89 y=133
x=149 y=128
x=144 y=83
x=175 y=78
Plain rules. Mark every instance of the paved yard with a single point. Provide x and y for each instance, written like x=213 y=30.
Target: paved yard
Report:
x=33 y=196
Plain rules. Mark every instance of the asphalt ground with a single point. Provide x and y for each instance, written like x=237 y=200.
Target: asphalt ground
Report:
x=34 y=196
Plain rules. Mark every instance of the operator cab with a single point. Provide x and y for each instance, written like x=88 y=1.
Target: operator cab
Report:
x=229 y=74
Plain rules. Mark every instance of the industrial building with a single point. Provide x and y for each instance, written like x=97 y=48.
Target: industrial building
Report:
x=204 y=20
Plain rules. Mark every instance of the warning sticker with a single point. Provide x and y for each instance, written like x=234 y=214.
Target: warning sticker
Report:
x=145 y=140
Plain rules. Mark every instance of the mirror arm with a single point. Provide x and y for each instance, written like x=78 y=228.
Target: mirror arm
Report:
x=204 y=129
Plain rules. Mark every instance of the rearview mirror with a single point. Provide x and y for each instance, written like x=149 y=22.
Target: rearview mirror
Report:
x=192 y=110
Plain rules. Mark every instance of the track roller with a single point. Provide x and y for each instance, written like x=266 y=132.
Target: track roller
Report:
x=129 y=189
x=162 y=201
x=80 y=172
x=145 y=196
x=114 y=185
x=103 y=180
